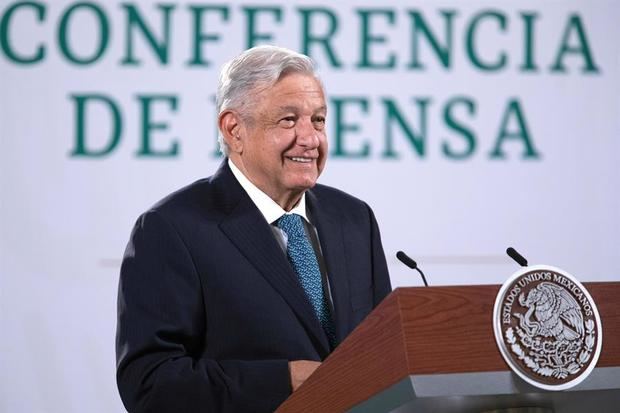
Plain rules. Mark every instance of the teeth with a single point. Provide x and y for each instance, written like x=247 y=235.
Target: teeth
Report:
x=297 y=159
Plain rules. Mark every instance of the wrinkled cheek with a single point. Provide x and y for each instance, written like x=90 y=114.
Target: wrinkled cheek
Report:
x=322 y=156
x=321 y=166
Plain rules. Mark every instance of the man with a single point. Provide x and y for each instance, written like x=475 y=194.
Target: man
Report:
x=235 y=288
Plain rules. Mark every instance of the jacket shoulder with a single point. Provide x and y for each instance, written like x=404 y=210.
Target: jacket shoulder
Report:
x=196 y=202
x=188 y=194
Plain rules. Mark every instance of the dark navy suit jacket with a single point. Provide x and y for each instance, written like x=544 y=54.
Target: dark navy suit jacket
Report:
x=210 y=310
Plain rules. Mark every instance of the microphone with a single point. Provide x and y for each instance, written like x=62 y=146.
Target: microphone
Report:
x=512 y=253
x=405 y=259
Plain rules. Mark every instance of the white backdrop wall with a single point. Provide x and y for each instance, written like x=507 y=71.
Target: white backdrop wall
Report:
x=467 y=126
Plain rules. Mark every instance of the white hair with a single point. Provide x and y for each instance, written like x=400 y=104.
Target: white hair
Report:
x=260 y=66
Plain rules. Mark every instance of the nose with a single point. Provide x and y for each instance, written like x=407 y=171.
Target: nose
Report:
x=306 y=134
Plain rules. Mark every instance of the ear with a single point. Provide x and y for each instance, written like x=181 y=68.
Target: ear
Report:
x=230 y=126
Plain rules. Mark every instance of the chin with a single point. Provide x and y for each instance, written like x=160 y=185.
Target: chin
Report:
x=310 y=182
x=305 y=179
x=303 y=185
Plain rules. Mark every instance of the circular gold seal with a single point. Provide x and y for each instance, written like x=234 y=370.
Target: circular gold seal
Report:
x=547 y=327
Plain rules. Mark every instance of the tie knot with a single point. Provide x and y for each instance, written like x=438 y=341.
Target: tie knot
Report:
x=291 y=224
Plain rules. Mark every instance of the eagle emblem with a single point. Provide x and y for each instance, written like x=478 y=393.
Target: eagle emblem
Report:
x=555 y=313
x=547 y=327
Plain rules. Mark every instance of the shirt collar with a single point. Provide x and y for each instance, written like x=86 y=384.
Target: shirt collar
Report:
x=267 y=206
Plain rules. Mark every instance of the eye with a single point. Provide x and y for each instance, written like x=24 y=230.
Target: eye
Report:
x=319 y=122
x=288 y=121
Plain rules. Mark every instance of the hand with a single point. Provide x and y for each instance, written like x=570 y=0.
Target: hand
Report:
x=300 y=370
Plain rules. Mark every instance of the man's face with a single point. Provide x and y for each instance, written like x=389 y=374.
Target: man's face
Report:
x=285 y=147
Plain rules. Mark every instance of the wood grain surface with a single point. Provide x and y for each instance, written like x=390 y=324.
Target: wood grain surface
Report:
x=427 y=330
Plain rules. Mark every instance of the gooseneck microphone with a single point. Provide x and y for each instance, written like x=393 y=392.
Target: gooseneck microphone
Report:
x=512 y=253
x=409 y=262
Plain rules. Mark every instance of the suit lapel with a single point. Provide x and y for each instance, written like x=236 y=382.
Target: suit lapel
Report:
x=331 y=236
x=246 y=227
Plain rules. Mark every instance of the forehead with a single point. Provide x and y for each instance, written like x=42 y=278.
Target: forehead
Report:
x=294 y=90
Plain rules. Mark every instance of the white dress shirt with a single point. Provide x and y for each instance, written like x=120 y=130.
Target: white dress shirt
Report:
x=267 y=206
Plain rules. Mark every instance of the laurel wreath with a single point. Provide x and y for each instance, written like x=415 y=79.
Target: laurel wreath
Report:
x=560 y=372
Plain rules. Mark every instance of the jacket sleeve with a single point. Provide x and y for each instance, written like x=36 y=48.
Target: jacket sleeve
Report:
x=161 y=333
x=381 y=277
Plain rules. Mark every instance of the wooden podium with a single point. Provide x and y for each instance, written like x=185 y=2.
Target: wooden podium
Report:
x=432 y=349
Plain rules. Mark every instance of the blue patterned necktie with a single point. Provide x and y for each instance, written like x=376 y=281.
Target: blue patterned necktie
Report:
x=303 y=259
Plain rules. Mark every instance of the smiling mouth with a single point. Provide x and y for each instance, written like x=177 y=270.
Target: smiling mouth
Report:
x=300 y=159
